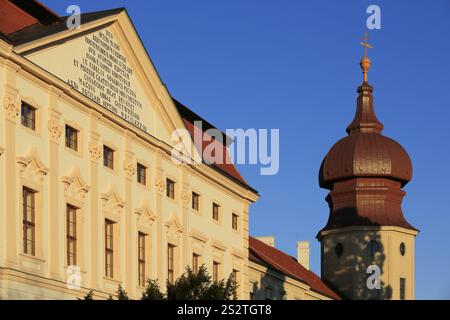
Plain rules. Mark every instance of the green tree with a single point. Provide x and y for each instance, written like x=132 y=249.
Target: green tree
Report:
x=152 y=291
x=88 y=296
x=193 y=286
x=121 y=293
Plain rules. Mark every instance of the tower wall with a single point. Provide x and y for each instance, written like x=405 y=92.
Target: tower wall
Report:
x=348 y=274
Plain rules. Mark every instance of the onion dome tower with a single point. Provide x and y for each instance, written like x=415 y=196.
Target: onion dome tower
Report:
x=367 y=245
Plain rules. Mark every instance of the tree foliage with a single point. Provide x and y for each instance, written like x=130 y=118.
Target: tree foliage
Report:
x=193 y=286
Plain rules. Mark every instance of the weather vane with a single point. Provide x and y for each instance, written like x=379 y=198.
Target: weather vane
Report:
x=365 y=61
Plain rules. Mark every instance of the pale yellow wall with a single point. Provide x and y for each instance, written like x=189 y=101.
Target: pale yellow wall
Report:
x=63 y=176
x=348 y=273
x=263 y=281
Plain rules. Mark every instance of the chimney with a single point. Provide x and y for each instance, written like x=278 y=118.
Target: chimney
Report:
x=269 y=240
x=303 y=253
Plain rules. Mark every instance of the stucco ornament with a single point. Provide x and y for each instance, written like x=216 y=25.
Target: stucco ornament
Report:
x=160 y=186
x=145 y=217
x=112 y=202
x=185 y=197
x=94 y=151
x=74 y=186
x=55 y=129
x=130 y=168
x=32 y=168
x=11 y=106
x=173 y=228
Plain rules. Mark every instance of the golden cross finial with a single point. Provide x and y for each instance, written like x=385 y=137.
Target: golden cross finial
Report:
x=366 y=44
x=365 y=62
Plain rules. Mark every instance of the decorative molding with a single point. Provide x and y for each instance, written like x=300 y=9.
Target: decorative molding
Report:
x=146 y=217
x=32 y=168
x=160 y=185
x=55 y=129
x=74 y=186
x=95 y=151
x=112 y=203
x=174 y=229
x=129 y=167
x=185 y=197
x=11 y=106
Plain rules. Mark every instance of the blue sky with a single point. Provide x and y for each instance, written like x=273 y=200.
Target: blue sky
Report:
x=293 y=65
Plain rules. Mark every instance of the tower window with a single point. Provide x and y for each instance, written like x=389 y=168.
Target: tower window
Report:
x=373 y=247
x=195 y=263
x=402 y=248
x=339 y=250
x=402 y=288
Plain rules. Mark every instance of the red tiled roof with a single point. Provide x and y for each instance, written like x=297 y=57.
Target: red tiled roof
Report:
x=226 y=166
x=261 y=253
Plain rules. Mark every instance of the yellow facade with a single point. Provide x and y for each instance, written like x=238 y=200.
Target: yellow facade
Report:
x=58 y=176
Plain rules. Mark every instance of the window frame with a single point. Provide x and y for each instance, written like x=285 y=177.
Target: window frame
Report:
x=195 y=203
x=139 y=169
x=71 y=240
x=109 y=250
x=25 y=120
x=142 y=259
x=170 y=188
x=235 y=221
x=171 y=263
x=108 y=162
x=216 y=211
x=29 y=224
x=216 y=266
x=71 y=143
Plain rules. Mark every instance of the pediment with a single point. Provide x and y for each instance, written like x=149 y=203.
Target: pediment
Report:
x=74 y=185
x=112 y=201
x=146 y=217
x=106 y=61
x=31 y=167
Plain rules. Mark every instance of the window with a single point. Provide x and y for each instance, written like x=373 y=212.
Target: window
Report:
x=373 y=248
x=141 y=174
x=71 y=235
x=195 y=201
x=269 y=294
x=215 y=213
x=28 y=116
x=252 y=295
x=402 y=288
x=141 y=258
x=339 y=250
x=195 y=264
x=170 y=189
x=170 y=263
x=402 y=248
x=234 y=276
x=109 y=248
x=71 y=138
x=216 y=271
x=108 y=157
x=29 y=222
x=234 y=221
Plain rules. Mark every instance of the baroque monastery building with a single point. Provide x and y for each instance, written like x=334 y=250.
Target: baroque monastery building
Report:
x=88 y=185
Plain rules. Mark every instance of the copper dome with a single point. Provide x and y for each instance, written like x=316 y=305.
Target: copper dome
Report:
x=365 y=152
